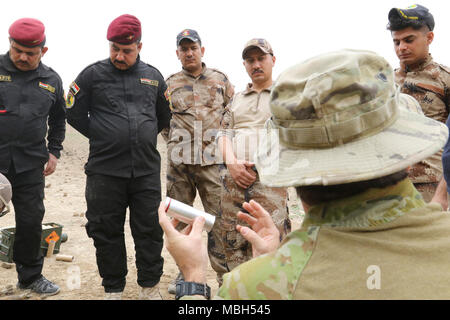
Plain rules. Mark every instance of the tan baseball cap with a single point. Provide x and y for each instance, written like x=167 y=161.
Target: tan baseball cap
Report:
x=262 y=44
x=338 y=118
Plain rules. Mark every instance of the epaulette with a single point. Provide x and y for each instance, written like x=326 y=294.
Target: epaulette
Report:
x=218 y=71
x=173 y=74
x=445 y=68
x=154 y=68
x=93 y=64
x=49 y=69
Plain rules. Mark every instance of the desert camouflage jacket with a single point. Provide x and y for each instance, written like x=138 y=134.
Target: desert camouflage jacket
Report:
x=380 y=244
x=429 y=84
x=197 y=105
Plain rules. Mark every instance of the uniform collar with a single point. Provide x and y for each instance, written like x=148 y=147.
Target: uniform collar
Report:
x=370 y=208
x=420 y=65
x=191 y=75
x=9 y=66
x=132 y=68
x=249 y=89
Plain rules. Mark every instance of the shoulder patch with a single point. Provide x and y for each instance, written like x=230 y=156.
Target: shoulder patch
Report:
x=70 y=99
x=167 y=94
x=74 y=88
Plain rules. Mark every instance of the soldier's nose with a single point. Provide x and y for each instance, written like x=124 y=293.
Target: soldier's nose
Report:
x=402 y=46
x=120 y=57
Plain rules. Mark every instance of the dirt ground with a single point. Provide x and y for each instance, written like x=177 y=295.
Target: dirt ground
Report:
x=65 y=205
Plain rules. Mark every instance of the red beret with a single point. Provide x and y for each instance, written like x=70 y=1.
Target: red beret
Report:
x=125 y=29
x=28 y=32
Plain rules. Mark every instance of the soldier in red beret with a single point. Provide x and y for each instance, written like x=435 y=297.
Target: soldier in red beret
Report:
x=120 y=105
x=31 y=96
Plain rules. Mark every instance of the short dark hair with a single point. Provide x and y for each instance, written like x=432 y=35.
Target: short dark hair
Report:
x=313 y=195
x=397 y=23
x=41 y=45
x=199 y=41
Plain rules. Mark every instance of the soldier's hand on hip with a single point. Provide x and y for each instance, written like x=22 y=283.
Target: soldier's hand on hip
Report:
x=242 y=173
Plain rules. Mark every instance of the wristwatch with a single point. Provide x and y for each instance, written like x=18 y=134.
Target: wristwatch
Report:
x=184 y=288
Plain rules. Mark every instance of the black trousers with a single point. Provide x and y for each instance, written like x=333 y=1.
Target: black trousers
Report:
x=28 y=202
x=107 y=199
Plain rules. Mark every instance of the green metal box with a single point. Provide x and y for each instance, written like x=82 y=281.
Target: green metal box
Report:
x=7 y=236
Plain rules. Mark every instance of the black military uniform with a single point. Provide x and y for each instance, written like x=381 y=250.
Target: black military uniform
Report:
x=28 y=102
x=122 y=112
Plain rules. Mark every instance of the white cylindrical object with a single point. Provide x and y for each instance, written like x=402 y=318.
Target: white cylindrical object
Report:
x=187 y=214
x=64 y=257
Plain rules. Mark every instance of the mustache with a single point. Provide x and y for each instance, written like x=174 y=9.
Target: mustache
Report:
x=120 y=62
x=257 y=71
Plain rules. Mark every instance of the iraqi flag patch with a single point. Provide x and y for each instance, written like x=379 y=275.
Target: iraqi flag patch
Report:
x=75 y=88
x=149 y=82
x=47 y=87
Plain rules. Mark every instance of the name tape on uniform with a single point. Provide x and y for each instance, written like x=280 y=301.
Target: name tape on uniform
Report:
x=5 y=78
x=149 y=82
x=47 y=87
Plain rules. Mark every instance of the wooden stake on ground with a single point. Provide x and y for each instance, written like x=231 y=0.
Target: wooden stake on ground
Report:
x=51 y=248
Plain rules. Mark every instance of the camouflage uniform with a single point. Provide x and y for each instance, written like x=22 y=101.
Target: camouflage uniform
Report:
x=339 y=120
x=429 y=84
x=243 y=117
x=319 y=260
x=197 y=105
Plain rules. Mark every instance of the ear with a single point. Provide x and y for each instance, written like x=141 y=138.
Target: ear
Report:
x=178 y=54
x=430 y=37
x=139 y=46
x=44 y=50
x=273 y=60
x=203 y=51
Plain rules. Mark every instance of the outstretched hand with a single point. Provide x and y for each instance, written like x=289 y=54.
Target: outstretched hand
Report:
x=186 y=247
x=263 y=235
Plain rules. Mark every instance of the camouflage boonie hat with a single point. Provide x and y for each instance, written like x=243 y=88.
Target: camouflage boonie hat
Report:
x=5 y=195
x=262 y=44
x=338 y=118
x=409 y=103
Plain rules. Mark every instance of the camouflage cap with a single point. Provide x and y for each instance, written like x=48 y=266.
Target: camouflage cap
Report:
x=5 y=195
x=414 y=13
x=262 y=44
x=338 y=118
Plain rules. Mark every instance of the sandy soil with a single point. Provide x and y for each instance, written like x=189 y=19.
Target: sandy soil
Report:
x=65 y=205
